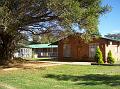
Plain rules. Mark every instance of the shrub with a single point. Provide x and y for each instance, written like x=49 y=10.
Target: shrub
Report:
x=110 y=58
x=98 y=56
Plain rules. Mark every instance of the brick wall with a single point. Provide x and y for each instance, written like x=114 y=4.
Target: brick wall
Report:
x=80 y=49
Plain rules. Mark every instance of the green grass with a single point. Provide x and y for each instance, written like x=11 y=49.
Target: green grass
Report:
x=64 y=77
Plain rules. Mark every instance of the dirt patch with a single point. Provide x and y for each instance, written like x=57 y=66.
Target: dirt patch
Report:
x=29 y=65
x=7 y=86
x=9 y=69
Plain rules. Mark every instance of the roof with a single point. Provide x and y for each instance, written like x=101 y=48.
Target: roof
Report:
x=42 y=46
x=110 y=39
x=56 y=43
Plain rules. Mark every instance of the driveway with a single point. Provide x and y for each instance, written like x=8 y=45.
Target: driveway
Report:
x=69 y=63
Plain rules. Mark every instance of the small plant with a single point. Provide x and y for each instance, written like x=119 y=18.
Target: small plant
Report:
x=98 y=56
x=110 y=58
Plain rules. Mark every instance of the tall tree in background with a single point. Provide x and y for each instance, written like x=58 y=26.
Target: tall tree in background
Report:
x=17 y=16
x=48 y=38
x=51 y=36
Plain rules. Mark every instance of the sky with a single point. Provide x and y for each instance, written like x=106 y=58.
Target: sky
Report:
x=110 y=22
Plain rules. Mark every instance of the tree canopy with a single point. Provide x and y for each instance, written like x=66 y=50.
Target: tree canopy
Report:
x=17 y=16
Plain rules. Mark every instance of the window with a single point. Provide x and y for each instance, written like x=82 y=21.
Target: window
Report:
x=67 y=50
x=21 y=50
x=92 y=49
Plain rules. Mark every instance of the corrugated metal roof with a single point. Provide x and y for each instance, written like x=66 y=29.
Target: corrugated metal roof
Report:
x=42 y=46
x=111 y=39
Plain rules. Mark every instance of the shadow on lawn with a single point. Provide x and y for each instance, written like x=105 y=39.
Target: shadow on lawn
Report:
x=91 y=79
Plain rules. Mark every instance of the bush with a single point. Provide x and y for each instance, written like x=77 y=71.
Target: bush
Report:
x=98 y=56
x=110 y=58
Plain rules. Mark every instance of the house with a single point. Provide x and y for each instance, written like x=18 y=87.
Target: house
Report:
x=37 y=51
x=24 y=52
x=73 y=48
x=44 y=50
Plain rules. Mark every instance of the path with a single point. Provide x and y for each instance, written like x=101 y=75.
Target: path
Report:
x=69 y=63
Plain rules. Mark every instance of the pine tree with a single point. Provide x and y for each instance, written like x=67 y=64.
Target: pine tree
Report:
x=110 y=58
x=98 y=56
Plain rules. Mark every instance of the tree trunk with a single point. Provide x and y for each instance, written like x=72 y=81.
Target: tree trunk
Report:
x=6 y=54
x=7 y=49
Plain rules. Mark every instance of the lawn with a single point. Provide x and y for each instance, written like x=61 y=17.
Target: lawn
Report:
x=63 y=77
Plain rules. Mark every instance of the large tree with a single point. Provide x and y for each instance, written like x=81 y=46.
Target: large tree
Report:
x=17 y=16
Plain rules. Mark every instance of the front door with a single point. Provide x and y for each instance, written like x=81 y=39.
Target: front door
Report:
x=92 y=49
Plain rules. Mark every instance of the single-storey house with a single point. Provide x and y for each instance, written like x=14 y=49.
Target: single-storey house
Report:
x=24 y=52
x=37 y=51
x=73 y=48
x=44 y=50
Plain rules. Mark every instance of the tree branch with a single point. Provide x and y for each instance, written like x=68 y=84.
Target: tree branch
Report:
x=43 y=18
x=35 y=33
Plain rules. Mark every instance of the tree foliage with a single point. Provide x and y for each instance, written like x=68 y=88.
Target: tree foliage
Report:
x=44 y=39
x=51 y=37
x=98 y=56
x=110 y=58
x=17 y=16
